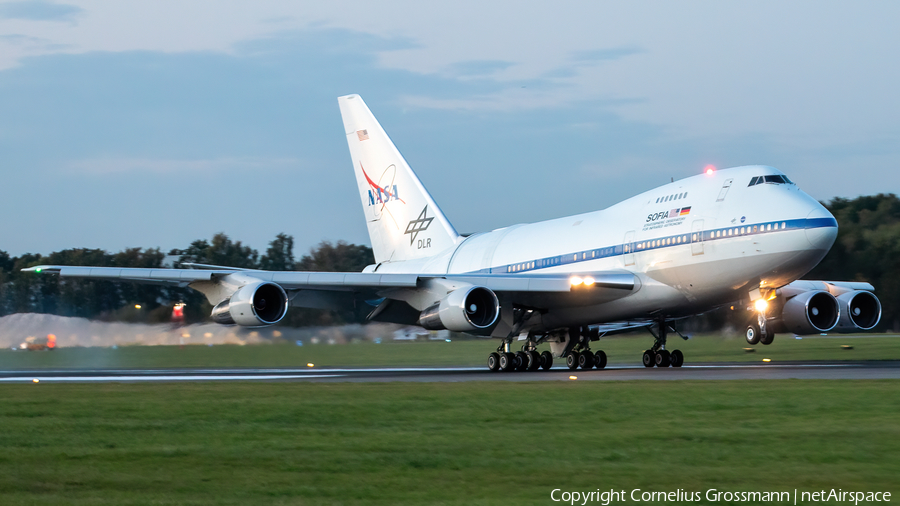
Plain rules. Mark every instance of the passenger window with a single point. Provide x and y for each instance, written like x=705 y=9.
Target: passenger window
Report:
x=685 y=194
x=783 y=226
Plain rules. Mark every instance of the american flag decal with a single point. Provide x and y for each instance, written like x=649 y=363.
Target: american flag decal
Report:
x=362 y=134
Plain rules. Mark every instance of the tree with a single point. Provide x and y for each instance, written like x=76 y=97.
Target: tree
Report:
x=221 y=251
x=280 y=255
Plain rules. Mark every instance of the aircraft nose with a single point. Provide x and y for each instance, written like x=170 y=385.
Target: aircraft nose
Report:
x=821 y=229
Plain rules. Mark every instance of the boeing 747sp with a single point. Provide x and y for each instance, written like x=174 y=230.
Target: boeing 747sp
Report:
x=734 y=236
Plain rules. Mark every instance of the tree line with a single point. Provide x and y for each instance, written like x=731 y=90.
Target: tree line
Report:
x=867 y=249
x=27 y=292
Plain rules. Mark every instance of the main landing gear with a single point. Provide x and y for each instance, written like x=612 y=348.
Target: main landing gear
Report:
x=526 y=360
x=580 y=355
x=658 y=355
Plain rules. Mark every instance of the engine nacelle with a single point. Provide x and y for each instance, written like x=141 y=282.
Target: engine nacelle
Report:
x=860 y=310
x=473 y=309
x=811 y=312
x=253 y=305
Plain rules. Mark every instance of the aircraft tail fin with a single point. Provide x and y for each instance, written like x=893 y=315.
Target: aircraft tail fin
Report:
x=403 y=220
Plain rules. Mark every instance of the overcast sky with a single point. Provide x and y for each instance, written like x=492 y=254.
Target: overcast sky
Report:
x=155 y=123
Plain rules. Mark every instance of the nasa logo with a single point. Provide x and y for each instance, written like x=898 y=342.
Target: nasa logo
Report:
x=743 y=219
x=381 y=194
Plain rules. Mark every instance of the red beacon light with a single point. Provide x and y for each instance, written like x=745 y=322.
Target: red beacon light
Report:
x=709 y=170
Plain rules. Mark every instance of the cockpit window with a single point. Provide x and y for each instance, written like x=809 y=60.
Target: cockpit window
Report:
x=774 y=179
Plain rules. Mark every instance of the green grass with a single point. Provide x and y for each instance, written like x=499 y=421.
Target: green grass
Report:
x=445 y=443
x=621 y=350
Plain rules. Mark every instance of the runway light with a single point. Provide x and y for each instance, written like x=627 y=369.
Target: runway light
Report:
x=575 y=280
x=573 y=377
x=310 y=364
x=761 y=305
x=709 y=169
x=588 y=281
x=767 y=360
x=35 y=380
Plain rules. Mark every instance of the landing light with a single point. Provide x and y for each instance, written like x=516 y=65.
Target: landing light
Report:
x=575 y=280
x=588 y=281
x=761 y=305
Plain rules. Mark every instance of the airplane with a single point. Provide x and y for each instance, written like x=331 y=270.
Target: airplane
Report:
x=738 y=236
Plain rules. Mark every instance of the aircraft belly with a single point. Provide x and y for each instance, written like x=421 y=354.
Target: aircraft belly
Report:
x=684 y=289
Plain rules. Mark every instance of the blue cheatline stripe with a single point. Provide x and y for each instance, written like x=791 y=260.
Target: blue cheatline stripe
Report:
x=658 y=243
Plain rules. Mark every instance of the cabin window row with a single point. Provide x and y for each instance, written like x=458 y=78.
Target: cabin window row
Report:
x=681 y=239
x=768 y=227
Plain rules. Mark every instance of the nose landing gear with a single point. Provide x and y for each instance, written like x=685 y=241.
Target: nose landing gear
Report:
x=758 y=331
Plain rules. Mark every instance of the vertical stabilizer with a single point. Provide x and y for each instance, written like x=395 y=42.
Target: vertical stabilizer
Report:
x=404 y=222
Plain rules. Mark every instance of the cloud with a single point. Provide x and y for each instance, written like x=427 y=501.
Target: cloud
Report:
x=106 y=166
x=479 y=68
x=37 y=10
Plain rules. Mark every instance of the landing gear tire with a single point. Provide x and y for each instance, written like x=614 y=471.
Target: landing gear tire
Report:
x=649 y=358
x=546 y=360
x=494 y=362
x=521 y=361
x=507 y=362
x=663 y=359
x=572 y=360
x=767 y=339
x=677 y=358
x=753 y=334
x=534 y=360
x=600 y=359
x=586 y=360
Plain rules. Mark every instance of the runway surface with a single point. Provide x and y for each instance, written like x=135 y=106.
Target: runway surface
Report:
x=722 y=371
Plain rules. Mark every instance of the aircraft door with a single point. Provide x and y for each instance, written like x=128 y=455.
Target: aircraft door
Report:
x=697 y=237
x=628 y=257
x=724 y=190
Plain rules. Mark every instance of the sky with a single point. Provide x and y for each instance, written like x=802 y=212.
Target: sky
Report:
x=157 y=123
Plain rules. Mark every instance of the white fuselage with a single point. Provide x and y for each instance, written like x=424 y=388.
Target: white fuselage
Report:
x=694 y=244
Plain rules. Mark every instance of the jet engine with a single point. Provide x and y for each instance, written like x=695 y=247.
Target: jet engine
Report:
x=252 y=305
x=811 y=312
x=473 y=309
x=860 y=310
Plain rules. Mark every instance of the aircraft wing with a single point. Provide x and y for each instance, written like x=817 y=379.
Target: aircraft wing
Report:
x=341 y=281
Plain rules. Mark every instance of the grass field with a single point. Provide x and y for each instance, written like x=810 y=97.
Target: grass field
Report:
x=460 y=443
x=621 y=350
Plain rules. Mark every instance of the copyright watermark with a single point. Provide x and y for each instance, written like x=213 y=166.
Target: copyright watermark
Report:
x=605 y=497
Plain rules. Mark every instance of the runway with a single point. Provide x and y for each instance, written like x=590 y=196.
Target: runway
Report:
x=720 y=371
